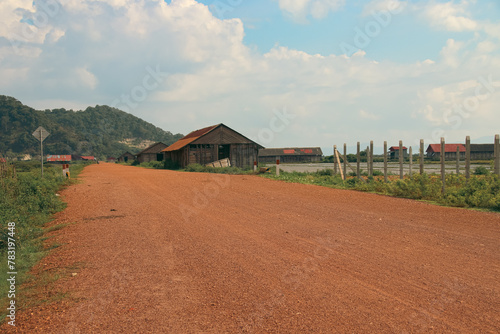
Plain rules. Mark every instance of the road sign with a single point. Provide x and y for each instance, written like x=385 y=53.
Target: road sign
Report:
x=41 y=134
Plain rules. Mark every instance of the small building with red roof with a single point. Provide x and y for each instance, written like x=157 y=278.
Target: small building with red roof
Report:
x=450 y=151
x=66 y=158
x=394 y=152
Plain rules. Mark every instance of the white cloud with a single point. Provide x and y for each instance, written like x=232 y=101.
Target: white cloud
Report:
x=318 y=9
x=450 y=16
x=451 y=53
x=95 y=52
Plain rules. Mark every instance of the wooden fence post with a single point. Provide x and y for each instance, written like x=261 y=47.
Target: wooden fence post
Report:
x=371 y=158
x=345 y=159
x=421 y=156
x=401 y=157
x=385 y=161
x=497 y=155
x=334 y=160
x=336 y=153
x=443 y=175
x=458 y=159
x=411 y=161
x=467 y=157
x=368 y=161
x=358 y=160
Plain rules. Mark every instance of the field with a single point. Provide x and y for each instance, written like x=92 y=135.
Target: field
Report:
x=393 y=167
x=165 y=251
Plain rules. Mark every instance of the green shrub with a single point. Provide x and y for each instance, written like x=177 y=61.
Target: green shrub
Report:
x=481 y=170
x=324 y=172
x=152 y=164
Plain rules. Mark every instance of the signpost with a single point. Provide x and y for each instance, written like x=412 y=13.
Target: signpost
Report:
x=41 y=134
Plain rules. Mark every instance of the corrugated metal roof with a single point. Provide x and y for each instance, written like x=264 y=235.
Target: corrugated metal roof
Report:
x=396 y=148
x=489 y=148
x=87 y=157
x=191 y=137
x=59 y=158
x=448 y=148
x=272 y=152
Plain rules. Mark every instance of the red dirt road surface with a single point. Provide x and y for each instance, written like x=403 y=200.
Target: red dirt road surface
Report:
x=169 y=252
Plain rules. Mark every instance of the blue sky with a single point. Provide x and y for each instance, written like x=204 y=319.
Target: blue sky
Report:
x=340 y=71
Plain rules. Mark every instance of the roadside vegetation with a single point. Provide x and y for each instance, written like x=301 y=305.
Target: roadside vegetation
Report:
x=30 y=202
x=482 y=191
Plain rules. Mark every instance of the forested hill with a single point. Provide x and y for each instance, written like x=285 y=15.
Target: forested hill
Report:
x=95 y=131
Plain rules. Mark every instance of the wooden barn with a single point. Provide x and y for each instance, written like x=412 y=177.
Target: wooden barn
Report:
x=126 y=157
x=152 y=153
x=482 y=151
x=450 y=151
x=211 y=144
x=394 y=152
x=291 y=154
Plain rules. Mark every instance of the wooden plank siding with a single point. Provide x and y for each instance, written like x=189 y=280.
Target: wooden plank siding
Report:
x=212 y=144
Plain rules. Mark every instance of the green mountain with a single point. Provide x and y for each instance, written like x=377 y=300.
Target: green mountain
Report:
x=101 y=131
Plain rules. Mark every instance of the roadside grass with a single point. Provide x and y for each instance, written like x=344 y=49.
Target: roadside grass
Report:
x=30 y=202
x=480 y=192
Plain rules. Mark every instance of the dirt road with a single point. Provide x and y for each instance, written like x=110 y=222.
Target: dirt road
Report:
x=171 y=252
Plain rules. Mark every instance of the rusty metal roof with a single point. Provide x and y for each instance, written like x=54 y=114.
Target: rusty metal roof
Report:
x=189 y=138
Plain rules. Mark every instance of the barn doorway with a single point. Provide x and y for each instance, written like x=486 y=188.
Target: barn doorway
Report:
x=224 y=151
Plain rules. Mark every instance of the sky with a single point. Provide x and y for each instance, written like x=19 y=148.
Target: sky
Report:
x=284 y=73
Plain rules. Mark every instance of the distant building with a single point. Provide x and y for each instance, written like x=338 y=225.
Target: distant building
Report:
x=482 y=151
x=111 y=159
x=450 y=151
x=126 y=157
x=59 y=158
x=290 y=154
x=88 y=157
x=394 y=152
x=211 y=144
x=152 y=153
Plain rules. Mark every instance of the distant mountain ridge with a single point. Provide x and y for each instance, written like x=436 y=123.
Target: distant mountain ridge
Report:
x=101 y=131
